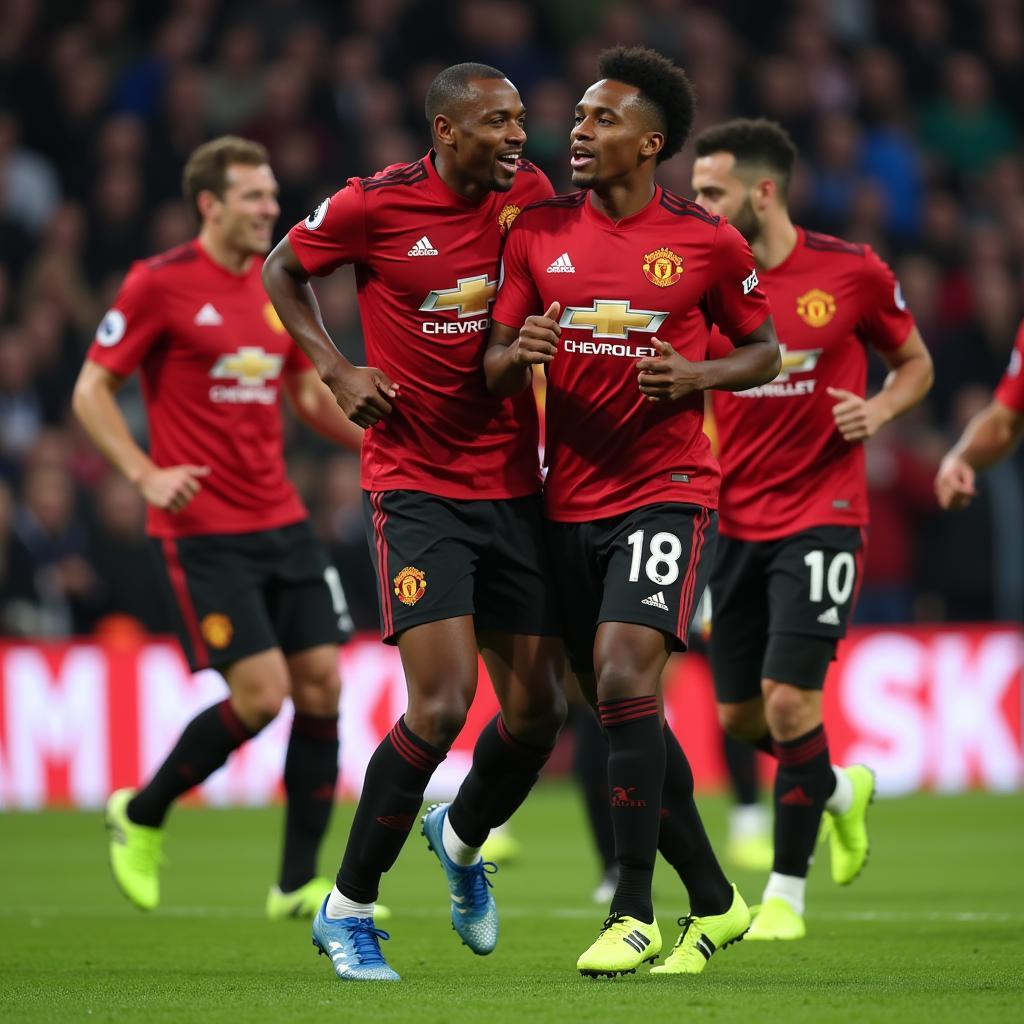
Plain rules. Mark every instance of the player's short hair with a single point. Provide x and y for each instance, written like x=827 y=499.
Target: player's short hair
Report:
x=452 y=88
x=665 y=90
x=207 y=167
x=756 y=143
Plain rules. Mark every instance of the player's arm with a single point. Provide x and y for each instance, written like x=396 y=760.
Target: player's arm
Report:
x=362 y=392
x=909 y=380
x=511 y=355
x=93 y=402
x=669 y=376
x=314 y=404
x=989 y=437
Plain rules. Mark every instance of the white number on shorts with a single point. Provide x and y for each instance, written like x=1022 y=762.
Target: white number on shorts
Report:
x=839 y=579
x=338 y=600
x=663 y=565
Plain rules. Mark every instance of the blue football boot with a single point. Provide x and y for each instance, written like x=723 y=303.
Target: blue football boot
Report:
x=353 y=944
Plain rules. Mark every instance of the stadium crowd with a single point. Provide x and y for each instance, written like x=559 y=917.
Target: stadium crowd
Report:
x=907 y=114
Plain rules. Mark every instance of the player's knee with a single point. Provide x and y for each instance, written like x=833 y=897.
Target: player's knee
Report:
x=260 y=708
x=741 y=722
x=540 y=721
x=790 y=711
x=619 y=679
x=318 y=692
x=438 y=721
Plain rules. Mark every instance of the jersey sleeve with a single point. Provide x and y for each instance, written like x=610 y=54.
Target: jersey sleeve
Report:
x=537 y=186
x=334 y=233
x=885 y=322
x=736 y=303
x=132 y=325
x=1010 y=391
x=518 y=296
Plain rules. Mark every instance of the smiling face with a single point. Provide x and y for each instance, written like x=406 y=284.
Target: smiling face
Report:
x=612 y=134
x=244 y=217
x=486 y=134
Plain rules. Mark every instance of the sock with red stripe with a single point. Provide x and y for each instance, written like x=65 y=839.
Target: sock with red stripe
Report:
x=682 y=840
x=310 y=778
x=396 y=777
x=803 y=783
x=636 y=773
x=503 y=772
x=202 y=747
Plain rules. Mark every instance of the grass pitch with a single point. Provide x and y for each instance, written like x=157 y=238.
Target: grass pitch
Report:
x=934 y=928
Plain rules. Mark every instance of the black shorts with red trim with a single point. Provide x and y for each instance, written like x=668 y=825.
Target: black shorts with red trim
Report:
x=232 y=595
x=780 y=607
x=440 y=558
x=648 y=566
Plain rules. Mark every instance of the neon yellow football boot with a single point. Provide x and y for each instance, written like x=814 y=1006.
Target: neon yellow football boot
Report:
x=848 y=833
x=136 y=853
x=751 y=853
x=623 y=944
x=501 y=847
x=702 y=936
x=776 y=919
x=305 y=901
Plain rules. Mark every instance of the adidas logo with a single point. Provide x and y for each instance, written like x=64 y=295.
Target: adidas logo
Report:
x=656 y=601
x=563 y=265
x=208 y=317
x=637 y=940
x=424 y=247
x=829 y=617
x=796 y=797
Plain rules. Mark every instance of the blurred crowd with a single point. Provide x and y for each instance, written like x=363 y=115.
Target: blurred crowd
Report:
x=907 y=113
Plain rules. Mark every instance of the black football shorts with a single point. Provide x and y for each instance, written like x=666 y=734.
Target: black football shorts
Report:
x=780 y=607
x=648 y=566
x=236 y=594
x=440 y=558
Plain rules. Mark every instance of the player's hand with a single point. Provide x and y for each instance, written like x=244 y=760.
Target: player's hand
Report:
x=954 y=483
x=856 y=418
x=174 y=487
x=363 y=394
x=538 y=338
x=667 y=376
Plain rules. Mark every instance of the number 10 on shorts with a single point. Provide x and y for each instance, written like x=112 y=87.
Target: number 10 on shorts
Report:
x=839 y=578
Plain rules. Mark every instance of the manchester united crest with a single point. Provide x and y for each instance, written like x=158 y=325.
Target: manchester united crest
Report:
x=663 y=267
x=816 y=308
x=410 y=584
x=217 y=630
x=508 y=214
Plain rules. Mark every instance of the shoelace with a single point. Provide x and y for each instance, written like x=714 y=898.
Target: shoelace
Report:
x=684 y=923
x=479 y=883
x=610 y=921
x=366 y=938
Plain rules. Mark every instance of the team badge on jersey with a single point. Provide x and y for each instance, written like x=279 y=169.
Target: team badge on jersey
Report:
x=508 y=214
x=816 y=308
x=663 y=267
x=217 y=630
x=410 y=585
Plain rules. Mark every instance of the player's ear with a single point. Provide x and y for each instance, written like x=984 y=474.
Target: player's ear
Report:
x=207 y=202
x=444 y=130
x=651 y=144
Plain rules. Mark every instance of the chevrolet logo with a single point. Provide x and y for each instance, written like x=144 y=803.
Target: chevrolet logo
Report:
x=797 y=361
x=250 y=366
x=612 y=318
x=471 y=296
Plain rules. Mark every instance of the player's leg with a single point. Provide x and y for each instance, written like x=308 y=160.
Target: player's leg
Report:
x=749 y=845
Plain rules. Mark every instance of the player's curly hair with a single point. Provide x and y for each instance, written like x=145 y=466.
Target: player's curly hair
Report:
x=754 y=142
x=664 y=88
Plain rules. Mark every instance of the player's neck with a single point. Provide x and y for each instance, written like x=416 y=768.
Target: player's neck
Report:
x=776 y=241
x=235 y=260
x=623 y=198
x=470 y=189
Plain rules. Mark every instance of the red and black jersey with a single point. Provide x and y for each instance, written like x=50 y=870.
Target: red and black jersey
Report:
x=426 y=262
x=1010 y=391
x=669 y=271
x=211 y=351
x=785 y=465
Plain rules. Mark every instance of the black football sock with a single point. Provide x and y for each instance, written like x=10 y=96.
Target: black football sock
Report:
x=590 y=766
x=202 y=748
x=636 y=773
x=803 y=783
x=741 y=764
x=682 y=840
x=310 y=777
x=396 y=777
x=503 y=772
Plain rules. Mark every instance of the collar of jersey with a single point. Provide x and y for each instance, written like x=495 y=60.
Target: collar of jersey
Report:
x=794 y=252
x=604 y=221
x=448 y=195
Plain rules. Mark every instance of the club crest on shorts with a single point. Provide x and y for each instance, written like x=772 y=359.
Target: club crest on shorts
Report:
x=508 y=214
x=410 y=584
x=217 y=629
x=663 y=267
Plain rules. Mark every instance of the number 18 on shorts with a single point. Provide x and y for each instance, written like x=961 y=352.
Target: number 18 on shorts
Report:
x=648 y=566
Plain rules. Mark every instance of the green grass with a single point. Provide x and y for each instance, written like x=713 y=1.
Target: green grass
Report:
x=934 y=927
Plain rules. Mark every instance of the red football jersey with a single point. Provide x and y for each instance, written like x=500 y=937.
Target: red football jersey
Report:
x=1011 y=388
x=785 y=466
x=669 y=271
x=426 y=263
x=211 y=350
